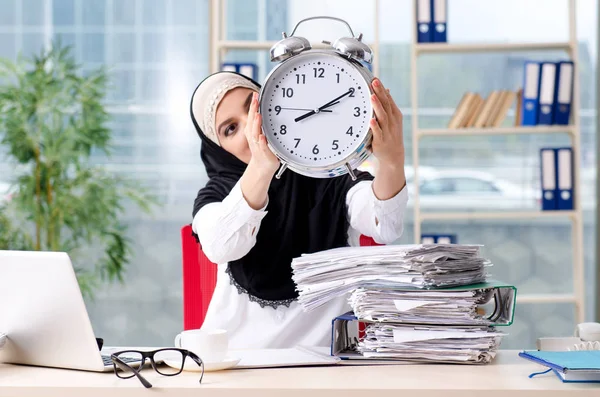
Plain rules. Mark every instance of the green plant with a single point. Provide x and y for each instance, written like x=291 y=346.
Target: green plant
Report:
x=52 y=119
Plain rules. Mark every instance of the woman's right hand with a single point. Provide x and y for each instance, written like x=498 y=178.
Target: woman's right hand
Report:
x=263 y=160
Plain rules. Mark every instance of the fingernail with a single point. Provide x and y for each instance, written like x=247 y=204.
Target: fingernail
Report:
x=373 y=97
x=377 y=83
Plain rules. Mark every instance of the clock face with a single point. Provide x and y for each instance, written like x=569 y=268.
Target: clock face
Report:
x=316 y=109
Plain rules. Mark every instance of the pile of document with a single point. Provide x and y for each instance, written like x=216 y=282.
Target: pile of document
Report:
x=420 y=307
x=324 y=275
x=468 y=345
x=420 y=302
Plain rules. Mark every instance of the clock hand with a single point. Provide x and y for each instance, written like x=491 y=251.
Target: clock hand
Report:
x=334 y=101
x=304 y=109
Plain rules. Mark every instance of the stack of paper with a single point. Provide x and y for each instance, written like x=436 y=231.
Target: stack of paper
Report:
x=469 y=345
x=420 y=307
x=324 y=275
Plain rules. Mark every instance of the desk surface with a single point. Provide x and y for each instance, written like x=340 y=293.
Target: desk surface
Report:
x=506 y=376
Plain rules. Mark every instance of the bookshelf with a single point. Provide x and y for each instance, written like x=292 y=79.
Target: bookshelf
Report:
x=430 y=48
x=472 y=131
x=219 y=46
x=573 y=131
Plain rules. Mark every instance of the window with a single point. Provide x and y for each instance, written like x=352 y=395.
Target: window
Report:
x=63 y=12
x=8 y=16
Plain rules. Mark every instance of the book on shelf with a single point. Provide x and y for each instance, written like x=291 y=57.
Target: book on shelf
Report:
x=473 y=111
x=518 y=110
x=461 y=110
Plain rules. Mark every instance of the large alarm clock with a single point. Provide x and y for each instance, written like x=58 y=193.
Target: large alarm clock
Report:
x=316 y=106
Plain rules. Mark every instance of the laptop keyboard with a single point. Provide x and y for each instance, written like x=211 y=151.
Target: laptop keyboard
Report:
x=108 y=361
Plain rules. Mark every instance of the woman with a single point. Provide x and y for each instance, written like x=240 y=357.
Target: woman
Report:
x=253 y=225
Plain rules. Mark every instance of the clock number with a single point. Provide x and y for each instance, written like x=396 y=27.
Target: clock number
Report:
x=283 y=129
x=278 y=109
x=349 y=132
x=351 y=92
x=298 y=78
x=319 y=73
x=287 y=92
x=297 y=142
x=316 y=150
x=357 y=111
x=334 y=145
x=338 y=77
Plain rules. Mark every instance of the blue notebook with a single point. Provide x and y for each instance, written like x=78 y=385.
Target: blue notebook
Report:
x=569 y=366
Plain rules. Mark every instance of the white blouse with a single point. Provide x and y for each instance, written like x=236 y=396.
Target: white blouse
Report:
x=227 y=231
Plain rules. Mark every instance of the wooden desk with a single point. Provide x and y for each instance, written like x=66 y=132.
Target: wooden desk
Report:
x=506 y=377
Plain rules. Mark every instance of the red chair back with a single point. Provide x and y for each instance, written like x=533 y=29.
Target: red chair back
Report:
x=200 y=278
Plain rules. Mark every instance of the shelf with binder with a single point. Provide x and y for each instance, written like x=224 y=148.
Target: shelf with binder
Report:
x=490 y=215
x=555 y=129
x=574 y=216
x=430 y=48
x=262 y=45
x=220 y=45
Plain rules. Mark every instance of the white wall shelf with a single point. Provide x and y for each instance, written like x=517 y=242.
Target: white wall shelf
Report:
x=489 y=215
x=575 y=216
x=554 y=129
x=258 y=45
x=219 y=47
x=424 y=48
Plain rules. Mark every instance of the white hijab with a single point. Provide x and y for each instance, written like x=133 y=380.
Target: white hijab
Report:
x=209 y=94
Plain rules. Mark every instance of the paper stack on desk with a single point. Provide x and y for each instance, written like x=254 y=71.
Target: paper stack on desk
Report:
x=421 y=303
x=325 y=275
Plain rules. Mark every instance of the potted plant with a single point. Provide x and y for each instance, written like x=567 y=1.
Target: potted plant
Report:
x=52 y=119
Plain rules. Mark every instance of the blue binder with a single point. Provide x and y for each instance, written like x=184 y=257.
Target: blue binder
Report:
x=548 y=179
x=424 y=17
x=247 y=69
x=440 y=17
x=564 y=178
x=438 y=239
x=563 y=94
x=547 y=85
x=229 y=67
x=531 y=91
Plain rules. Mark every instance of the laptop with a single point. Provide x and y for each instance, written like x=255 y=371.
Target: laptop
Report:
x=43 y=314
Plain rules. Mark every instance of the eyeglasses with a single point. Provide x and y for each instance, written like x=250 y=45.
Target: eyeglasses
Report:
x=123 y=360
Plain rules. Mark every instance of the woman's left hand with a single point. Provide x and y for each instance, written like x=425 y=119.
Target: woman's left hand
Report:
x=388 y=137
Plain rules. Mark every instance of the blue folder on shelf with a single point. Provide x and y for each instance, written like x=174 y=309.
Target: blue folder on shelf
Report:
x=247 y=69
x=439 y=17
x=531 y=91
x=424 y=21
x=563 y=94
x=564 y=178
x=547 y=85
x=548 y=179
x=569 y=366
x=438 y=239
